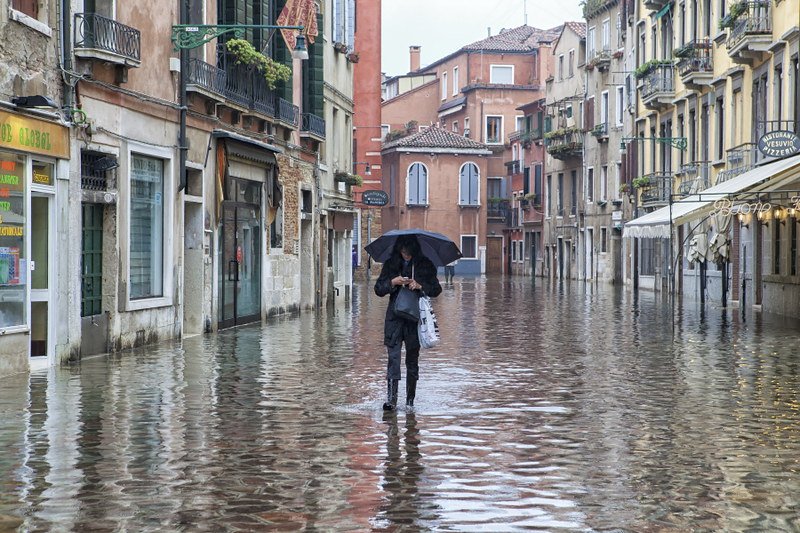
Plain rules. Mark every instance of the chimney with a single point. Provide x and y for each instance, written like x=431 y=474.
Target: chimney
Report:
x=414 y=53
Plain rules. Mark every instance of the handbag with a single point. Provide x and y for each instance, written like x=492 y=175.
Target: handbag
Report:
x=427 y=327
x=406 y=305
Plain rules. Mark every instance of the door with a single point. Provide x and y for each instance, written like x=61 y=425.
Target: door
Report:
x=240 y=257
x=94 y=322
x=41 y=278
x=494 y=255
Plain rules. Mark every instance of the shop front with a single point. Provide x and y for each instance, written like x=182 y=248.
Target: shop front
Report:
x=31 y=149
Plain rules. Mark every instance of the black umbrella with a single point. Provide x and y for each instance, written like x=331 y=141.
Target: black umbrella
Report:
x=435 y=246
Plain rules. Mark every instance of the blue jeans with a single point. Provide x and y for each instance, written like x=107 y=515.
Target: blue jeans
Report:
x=412 y=363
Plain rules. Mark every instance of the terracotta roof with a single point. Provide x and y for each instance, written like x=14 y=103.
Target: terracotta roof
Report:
x=577 y=27
x=521 y=39
x=435 y=137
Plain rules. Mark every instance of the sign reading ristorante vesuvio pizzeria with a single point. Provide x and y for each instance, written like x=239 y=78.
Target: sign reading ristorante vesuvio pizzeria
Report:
x=33 y=135
x=779 y=144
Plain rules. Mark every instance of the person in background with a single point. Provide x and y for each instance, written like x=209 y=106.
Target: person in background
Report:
x=355 y=261
x=406 y=267
x=449 y=271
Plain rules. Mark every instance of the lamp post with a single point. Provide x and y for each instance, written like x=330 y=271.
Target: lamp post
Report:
x=189 y=36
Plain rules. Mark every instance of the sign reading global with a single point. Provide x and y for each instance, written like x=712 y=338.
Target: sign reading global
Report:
x=779 y=144
x=375 y=198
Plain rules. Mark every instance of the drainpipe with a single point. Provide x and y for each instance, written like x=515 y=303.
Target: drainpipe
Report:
x=182 y=142
x=66 y=53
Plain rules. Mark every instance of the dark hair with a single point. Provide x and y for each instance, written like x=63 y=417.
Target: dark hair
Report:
x=409 y=243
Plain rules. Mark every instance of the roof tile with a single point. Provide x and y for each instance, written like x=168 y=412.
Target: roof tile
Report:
x=435 y=137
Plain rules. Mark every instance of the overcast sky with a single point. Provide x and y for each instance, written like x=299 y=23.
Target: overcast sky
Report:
x=441 y=27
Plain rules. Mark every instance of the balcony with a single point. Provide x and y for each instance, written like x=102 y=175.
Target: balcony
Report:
x=288 y=113
x=738 y=160
x=497 y=209
x=206 y=79
x=655 y=5
x=313 y=126
x=600 y=132
x=695 y=65
x=693 y=178
x=656 y=189
x=104 y=39
x=564 y=144
x=513 y=167
x=658 y=85
x=749 y=30
x=600 y=59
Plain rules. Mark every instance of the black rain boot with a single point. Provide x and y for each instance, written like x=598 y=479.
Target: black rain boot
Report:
x=411 y=391
x=391 y=392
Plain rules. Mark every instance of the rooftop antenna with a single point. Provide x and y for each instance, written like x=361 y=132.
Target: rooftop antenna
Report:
x=525 y=10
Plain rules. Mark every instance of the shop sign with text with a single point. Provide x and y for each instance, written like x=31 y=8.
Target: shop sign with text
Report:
x=33 y=135
x=779 y=144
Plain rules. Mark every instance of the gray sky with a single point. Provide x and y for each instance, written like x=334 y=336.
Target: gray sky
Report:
x=441 y=27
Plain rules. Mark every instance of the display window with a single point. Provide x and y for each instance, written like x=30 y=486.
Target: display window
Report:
x=13 y=261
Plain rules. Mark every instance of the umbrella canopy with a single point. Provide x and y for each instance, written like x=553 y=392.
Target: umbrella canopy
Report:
x=435 y=246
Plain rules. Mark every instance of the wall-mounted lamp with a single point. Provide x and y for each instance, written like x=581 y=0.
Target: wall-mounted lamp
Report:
x=300 y=50
x=780 y=214
x=37 y=100
x=367 y=168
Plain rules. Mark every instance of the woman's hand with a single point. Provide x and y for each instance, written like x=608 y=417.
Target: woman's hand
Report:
x=399 y=280
x=413 y=285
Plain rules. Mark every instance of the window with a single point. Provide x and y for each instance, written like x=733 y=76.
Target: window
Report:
x=561 y=67
x=502 y=74
x=343 y=21
x=514 y=251
x=590 y=44
x=720 y=129
x=590 y=185
x=455 y=126
x=603 y=240
x=604 y=183
x=13 y=261
x=146 y=243
x=617 y=180
x=793 y=254
x=494 y=130
x=29 y=7
x=417 y=185
x=275 y=202
x=549 y=191
x=444 y=85
x=571 y=65
x=520 y=122
x=537 y=183
x=574 y=186
x=384 y=131
x=521 y=254
x=647 y=258
x=604 y=108
x=777 y=81
x=606 y=36
x=469 y=246
x=456 y=86
x=466 y=127
x=560 y=198
x=469 y=183
x=620 y=105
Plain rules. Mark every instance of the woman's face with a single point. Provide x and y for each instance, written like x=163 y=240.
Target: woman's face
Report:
x=405 y=253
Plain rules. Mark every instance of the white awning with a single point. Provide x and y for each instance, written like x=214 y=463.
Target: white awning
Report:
x=658 y=223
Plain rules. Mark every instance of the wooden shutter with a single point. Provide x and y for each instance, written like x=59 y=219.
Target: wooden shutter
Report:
x=313 y=77
x=413 y=184
x=29 y=7
x=423 y=184
x=526 y=181
x=588 y=118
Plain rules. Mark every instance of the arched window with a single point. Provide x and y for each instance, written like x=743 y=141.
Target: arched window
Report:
x=417 y=185
x=468 y=184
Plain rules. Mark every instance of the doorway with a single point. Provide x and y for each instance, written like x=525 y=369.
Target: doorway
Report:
x=240 y=256
x=41 y=348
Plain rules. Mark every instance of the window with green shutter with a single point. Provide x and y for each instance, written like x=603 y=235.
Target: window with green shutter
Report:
x=313 y=77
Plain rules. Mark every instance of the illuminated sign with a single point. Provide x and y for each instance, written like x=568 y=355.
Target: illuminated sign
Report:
x=33 y=135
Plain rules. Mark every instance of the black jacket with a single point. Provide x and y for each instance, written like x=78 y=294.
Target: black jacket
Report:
x=396 y=329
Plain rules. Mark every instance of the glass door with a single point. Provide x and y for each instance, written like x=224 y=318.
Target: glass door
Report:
x=41 y=325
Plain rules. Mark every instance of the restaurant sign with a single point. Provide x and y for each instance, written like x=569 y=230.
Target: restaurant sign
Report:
x=375 y=198
x=33 y=135
x=779 y=144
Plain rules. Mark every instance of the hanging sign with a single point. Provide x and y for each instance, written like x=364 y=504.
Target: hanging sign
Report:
x=374 y=198
x=779 y=144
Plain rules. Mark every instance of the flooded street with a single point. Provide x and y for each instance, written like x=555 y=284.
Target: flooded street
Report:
x=558 y=408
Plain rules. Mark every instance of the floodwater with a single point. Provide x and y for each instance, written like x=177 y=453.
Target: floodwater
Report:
x=546 y=407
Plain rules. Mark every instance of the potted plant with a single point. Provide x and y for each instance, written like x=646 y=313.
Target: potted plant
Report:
x=624 y=188
x=352 y=57
x=642 y=181
x=246 y=54
x=649 y=66
x=349 y=179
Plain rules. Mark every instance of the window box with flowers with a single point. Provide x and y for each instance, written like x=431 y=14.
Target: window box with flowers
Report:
x=349 y=179
x=352 y=57
x=246 y=54
x=641 y=182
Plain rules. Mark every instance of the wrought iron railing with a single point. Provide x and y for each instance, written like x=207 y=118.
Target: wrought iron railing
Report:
x=738 y=160
x=513 y=167
x=207 y=76
x=93 y=177
x=497 y=209
x=313 y=124
x=238 y=83
x=600 y=130
x=93 y=31
x=694 y=57
x=660 y=80
x=561 y=145
x=756 y=19
x=288 y=112
x=658 y=189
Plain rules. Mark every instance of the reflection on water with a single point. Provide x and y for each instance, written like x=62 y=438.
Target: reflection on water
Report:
x=560 y=407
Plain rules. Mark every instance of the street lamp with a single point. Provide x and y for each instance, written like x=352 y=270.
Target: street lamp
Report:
x=367 y=168
x=188 y=36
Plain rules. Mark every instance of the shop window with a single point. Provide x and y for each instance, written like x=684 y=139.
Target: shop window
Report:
x=146 y=227
x=13 y=264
